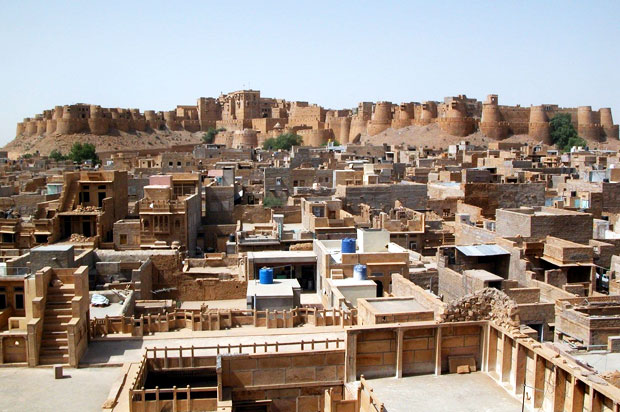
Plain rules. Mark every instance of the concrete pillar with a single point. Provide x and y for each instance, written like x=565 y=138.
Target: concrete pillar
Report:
x=399 y=352
x=595 y=401
x=484 y=343
x=578 y=395
x=506 y=359
x=539 y=381
x=438 y=350
x=519 y=366
x=350 y=373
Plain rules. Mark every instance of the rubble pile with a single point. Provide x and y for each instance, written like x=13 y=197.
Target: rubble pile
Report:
x=81 y=208
x=77 y=238
x=301 y=246
x=487 y=304
x=612 y=377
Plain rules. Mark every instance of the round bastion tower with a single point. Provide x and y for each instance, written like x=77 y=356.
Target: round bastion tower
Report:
x=428 y=112
x=345 y=130
x=607 y=123
x=491 y=123
x=381 y=118
x=41 y=124
x=170 y=117
x=539 y=124
x=137 y=120
x=153 y=121
x=64 y=125
x=120 y=120
x=403 y=116
x=20 y=129
x=51 y=124
x=586 y=127
x=29 y=127
x=97 y=123
x=456 y=122
x=245 y=139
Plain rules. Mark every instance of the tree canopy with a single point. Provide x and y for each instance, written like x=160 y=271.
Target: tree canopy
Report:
x=209 y=136
x=82 y=152
x=57 y=155
x=563 y=133
x=283 y=142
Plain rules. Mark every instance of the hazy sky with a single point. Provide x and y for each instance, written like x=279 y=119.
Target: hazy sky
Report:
x=158 y=54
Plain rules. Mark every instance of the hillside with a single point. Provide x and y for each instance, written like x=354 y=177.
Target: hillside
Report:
x=105 y=143
x=430 y=136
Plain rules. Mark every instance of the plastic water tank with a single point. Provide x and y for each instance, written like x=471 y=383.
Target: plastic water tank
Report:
x=348 y=245
x=359 y=272
x=265 y=276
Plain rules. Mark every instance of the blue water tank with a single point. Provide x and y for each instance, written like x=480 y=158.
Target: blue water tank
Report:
x=359 y=272
x=265 y=276
x=348 y=245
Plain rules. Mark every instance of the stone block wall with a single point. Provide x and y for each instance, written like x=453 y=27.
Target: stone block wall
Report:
x=294 y=381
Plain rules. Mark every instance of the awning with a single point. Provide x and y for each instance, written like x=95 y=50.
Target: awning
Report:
x=482 y=250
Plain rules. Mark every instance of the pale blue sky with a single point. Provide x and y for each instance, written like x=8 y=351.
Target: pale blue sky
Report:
x=157 y=54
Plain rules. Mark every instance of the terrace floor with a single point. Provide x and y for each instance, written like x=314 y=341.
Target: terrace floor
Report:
x=35 y=389
x=474 y=392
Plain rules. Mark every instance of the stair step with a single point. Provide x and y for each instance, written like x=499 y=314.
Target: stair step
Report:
x=55 y=334
x=52 y=317
x=59 y=304
x=53 y=359
x=54 y=343
x=60 y=296
x=55 y=350
x=64 y=288
x=57 y=310
x=55 y=327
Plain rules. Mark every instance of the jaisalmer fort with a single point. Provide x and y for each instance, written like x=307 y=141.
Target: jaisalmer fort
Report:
x=258 y=254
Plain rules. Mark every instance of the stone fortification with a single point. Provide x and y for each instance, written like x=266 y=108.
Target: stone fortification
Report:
x=247 y=109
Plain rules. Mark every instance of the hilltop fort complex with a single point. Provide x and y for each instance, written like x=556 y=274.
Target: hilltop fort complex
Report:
x=246 y=109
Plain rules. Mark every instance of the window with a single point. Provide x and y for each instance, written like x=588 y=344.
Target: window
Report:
x=2 y=298
x=278 y=181
x=123 y=239
x=19 y=298
x=178 y=164
x=170 y=164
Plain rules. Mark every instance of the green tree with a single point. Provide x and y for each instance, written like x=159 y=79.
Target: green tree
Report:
x=82 y=152
x=209 y=136
x=283 y=142
x=272 y=201
x=57 y=155
x=563 y=133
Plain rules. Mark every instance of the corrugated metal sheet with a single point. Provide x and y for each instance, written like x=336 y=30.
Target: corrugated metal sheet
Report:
x=481 y=250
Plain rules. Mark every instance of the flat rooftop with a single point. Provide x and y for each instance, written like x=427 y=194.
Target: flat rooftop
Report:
x=388 y=305
x=472 y=392
x=53 y=248
x=279 y=288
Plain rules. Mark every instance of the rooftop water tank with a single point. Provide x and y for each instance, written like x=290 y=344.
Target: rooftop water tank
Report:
x=359 y=272
x=265 y=276
x=348 y=245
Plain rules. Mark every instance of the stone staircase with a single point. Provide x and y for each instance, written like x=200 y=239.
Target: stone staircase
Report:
x=54 y=342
